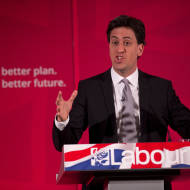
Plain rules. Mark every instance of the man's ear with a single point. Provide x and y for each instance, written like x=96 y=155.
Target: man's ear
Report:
x=140 y=49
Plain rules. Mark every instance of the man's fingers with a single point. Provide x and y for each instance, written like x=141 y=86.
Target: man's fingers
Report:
x=63 y=107
x=60 y=95
x=59 y=98
x=58 y=109
x=57 y=102
x=59 y=118
x=73 y=95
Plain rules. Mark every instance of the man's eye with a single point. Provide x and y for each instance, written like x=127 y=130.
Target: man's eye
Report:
x=126 y=43
x=115 y=43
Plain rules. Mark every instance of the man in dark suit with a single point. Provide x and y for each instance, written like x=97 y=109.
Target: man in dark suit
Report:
x=98 y=102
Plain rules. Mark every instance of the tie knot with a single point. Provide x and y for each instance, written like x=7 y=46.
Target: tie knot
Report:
x=125 y=81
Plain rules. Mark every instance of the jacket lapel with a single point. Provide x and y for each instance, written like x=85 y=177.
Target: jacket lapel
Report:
x=107 y=88
x=143 y=99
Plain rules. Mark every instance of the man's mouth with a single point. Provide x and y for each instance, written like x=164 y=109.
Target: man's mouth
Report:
x=119 y=58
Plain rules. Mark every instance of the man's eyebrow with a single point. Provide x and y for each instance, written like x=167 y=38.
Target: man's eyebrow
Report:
x=125 y=37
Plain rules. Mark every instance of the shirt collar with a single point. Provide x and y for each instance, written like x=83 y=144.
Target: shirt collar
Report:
x=133 y=78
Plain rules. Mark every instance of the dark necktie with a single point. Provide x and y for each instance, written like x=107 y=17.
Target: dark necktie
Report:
x=127 y=128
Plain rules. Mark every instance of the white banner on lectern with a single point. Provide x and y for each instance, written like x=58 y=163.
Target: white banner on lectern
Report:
x=127 y=156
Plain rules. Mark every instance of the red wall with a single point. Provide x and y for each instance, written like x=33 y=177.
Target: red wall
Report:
x=36 y=34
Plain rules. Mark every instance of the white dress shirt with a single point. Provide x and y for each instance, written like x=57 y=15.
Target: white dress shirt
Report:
x=118 y=89
x=117 y=94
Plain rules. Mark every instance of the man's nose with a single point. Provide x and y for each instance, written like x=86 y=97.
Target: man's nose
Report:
x=121 y=47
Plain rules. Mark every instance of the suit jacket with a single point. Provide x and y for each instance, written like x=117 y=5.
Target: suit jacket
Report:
x=94 y=107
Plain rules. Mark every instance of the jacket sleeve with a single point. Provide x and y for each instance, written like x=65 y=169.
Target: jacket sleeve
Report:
x=72 y=133
x=179 y=115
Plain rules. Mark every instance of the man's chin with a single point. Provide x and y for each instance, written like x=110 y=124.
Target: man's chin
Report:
x=124 y=71
x=120 y=68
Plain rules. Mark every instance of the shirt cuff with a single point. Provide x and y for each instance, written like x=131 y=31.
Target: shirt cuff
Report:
x=61 y=124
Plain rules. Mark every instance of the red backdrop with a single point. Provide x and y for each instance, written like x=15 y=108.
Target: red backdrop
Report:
x=63 y=41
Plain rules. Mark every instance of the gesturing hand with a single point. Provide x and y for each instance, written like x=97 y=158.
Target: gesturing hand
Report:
x=63 y=106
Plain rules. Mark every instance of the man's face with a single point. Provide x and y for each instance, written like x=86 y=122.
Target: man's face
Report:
x=124 y=50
